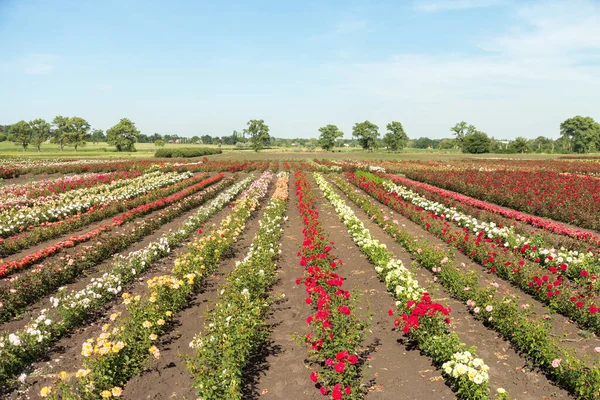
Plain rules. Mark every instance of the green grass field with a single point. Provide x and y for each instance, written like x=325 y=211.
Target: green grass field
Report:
x=146 y=150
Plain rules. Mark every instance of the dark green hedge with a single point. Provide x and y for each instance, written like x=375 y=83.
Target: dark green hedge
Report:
x=183 y=152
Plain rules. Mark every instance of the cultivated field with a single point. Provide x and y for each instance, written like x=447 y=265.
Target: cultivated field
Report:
x=291 y=276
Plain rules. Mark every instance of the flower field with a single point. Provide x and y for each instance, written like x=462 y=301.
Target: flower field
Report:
x=299 y=279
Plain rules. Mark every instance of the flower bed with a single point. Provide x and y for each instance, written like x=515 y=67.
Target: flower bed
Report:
x=126 y=343
x=70 y=309
x=526 y=333
x=336 y=329
x=235 y=327
x=562 y=295
x=11 y=266
x=423 y=321
x=44 y=278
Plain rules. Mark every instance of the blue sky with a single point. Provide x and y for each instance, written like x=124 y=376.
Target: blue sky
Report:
x=512 y=68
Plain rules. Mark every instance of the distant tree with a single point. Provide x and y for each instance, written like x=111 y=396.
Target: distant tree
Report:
x=3 y=137
x=259 y=134
x=159 y=143
x=424 y=143
x=62 y=127
x=98 y=136
x=311 y=145
x=447 y=144
x=155 y=136
x=461 y=130
x=195 y=139
x=476 y=143
x=123 y=135
x=395 y=139
x=367 y=134
x=206 y=139
x=20 y=134
x=40 y=132
x=329 y=134
x=542 y=144
x=78 y=133
x=519 y=145
x=582 y=132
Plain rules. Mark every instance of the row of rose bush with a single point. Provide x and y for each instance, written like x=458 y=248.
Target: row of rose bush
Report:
x=336 y=328
x=19 y=196
x=452 y=198
x=569 y=198
x=235 y=328
x=128 y=341
x=559 y=293
x=80 y=200
x=70 y=309
x=10 y=266
x=581 y=267
x=531 y=336
x=49 y=230
x=425 y=322
x=19 y=291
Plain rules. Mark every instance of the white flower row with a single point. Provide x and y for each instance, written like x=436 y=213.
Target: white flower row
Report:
x=80 y=200
x=464 y=364
x=69 y=308
x=510 y=239
x=399 y=280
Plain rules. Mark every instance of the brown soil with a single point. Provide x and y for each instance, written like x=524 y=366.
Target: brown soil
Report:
x=99 y=269
x=571 y=336
x=393 y=367
x=65 y=355
x=507 y=369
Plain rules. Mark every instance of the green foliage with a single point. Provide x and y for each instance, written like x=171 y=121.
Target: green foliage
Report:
x=98 y=136
x=182 y=152
x=78 y=132
x=367 y=134
x=123 y=135
x=329 y=134
x=395 y=139
x=583 y=133
x=259 y=134
x=20 y=134
x=462 y=130
x=159 y=143
x=61 y=130
x=519 y=145
x=40 y=132
x=476 y=143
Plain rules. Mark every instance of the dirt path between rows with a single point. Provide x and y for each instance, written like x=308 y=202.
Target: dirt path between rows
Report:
x=99 y=269
x=65 y=354
x=392 y=366
x=507 y=369
x=571 y=336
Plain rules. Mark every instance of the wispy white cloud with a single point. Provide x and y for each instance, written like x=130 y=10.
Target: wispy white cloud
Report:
x=348 y=27
x=39 y=64
x=541 y=70
x=443 y=5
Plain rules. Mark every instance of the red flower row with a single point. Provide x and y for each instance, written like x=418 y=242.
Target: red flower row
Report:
x=538 y=222
x=11 y=266
x=332 y=317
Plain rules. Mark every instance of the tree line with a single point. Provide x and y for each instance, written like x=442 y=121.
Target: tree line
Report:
x=69 y=132
x=577 y=135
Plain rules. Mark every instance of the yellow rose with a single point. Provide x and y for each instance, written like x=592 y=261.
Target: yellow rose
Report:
x=160 y=322
x=147 y=324
x=116 y=391
x=46 y=390
x=106 y=394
